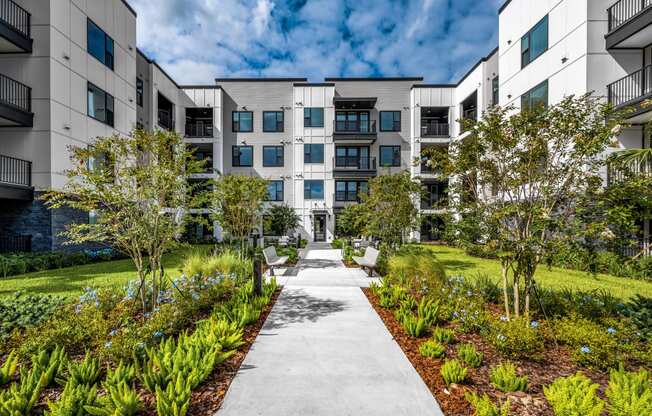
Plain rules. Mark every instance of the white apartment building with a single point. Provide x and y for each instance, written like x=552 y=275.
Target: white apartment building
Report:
x=70 y=71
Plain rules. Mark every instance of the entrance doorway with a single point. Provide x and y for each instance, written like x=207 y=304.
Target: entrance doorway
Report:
x=319 y=228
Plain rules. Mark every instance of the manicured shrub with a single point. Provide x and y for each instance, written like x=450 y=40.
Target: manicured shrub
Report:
x=469 y=355
x=22 y=311
x=592 y=345
x=505 y=379
x=432 y=349
x=444 y=335
x=8 y=369
x=414 y=326
x=485 y=407
x=574 y=396
x=517 y=339
x=16 y=264
x=453 y=372
x=629 y=393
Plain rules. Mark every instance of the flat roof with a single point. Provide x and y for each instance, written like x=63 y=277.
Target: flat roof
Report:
x=200 y=87
x=282 y=79
x=376 y=79
x=504 y=6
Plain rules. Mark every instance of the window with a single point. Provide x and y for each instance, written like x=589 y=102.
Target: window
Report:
x=313 y=117
x=313 y=153
x=273 y=121
x=313 y=189
x=350 y=191
x=100 y=105
x=495 y=90
x=273 y=156
x=100 y=45
x=352 y=121
x=243 y=156
x=92 y=217
x=534 y=43
x=275 y=189
x=535 y=98
x=243 y=121
x=139 y=91
x=390 y=156
x=390 y=121
x=353 y=157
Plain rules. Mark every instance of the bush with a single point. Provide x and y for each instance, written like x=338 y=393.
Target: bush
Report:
x=50 y=365
x=453 y=372
x=174 y=400
x=17 y=264
x=120 y=400
x=591 y=344
x=22 y=311
x=415 y=327
x=640 y=311
x=485 y=407
x=86 y=372
x=427 y=310
x=469 y=355
x=432 y=349
x=517 y=339
x=629 y=394
x=444 y=335
x=20 y=398
x=574 y=396
x=505 y=379
x=73 y=400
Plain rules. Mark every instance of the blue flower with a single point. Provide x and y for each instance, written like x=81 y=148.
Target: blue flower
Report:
x=455 y=314
x=113 y=332
x=158 y=334
x=107 y=345
x=140 y=345
x=504 y=318
x=534 y=324
x=147 y=315
x=501 y=337
x=585 y=349
x=611 y=330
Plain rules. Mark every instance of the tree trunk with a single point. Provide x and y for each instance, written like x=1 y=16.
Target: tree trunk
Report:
x=505 y=294
x=517 y=301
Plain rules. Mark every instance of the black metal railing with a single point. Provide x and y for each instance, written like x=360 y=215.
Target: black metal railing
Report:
x=354 y=126
x=347 y=196
x=642 y=248
x=15 y=244
x=631 y=87
x=434 y=128
x=16 y=17
x=624 y=11
x=165 y=119
x=15 y=94
x=618 y=174
x=355 y=162
x=199 y=130
x=15 y=171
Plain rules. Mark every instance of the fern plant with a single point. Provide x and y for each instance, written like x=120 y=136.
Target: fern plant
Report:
x=414 y=327
x=453 y=372
x=8 y=369
x=175 y=399
x=485 y=407
x=468 y=354
x=505 y=379
x=386 y=301
x=50 y=364
x=86 y=372
x=73 y=400
x=629 y=393
x=120 y=400
x=220 y=331
x=123 y=373
x=432 y=349
x=444 y=335
x=574 y=396
x=19 y=399
x=428 y=310
x=408 y=303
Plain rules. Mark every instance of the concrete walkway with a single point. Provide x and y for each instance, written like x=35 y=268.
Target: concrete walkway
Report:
x=324 y=351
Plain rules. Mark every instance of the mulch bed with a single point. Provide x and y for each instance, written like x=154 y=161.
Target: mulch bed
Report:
x=556 y=363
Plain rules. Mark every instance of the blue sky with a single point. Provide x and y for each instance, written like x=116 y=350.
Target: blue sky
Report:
x=196 y=41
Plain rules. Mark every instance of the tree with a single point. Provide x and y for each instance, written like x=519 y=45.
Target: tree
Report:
x=237 y=204
x=136 y=188
x=517 y=176
x=352 y=220
x=390 y=205
x=281 y=219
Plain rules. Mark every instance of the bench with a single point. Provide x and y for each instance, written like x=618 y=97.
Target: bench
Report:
x=368 y=261
x=272 y=259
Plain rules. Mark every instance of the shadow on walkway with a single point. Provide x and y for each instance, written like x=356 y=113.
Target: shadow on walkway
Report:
x=297 y=306
x=305 y=264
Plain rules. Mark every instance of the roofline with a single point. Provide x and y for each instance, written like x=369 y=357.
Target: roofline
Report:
x=504 y=6
x=153 y=62
x=375 y=79
x=288 y=79
x=434 y=86
x=314 y=84
x=131 y=9
x=200 y=87
x=477 y=64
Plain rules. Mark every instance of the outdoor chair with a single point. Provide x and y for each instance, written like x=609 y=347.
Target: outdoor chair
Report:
x=368 y=261
x=273 y=260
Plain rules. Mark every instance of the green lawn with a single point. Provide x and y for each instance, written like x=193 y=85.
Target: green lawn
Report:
x=71 y=281
x=457 y=262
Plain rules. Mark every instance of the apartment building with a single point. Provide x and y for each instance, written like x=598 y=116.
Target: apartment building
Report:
x=70 y=71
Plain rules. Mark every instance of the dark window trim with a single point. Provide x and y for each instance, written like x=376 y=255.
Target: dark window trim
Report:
x=277 y=147
x=394 y=121
x=111 y=122
x=529 y=49
x=282 y=192
x=282 y=122
x=106 y=36
x=310 y=197
x=393 y=164
x=309 y=124
x=346 y=198
x=529 y=92
x=233 y=129
x=140 y=91
x=233 y=157
x=304 y=153
x=495 y=90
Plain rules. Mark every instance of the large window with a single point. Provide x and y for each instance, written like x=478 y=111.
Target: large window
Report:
x=273 y=156
x=390 y=156
x=140 y=91
x=275 y=189
x=242 y=121
x=313 y=153
x=243 y=156
x=352 y=157
x=100 y=45
x=390 y=121
x=313 y=117
x=352 y=121
x=273 y=121
x=534 y=43
x=535 y=98
x=100 y=105
x=350 y=191
x=313 y=189
x=495 y=90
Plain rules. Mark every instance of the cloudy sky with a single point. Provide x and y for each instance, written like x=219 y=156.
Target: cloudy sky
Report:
x=196 y=41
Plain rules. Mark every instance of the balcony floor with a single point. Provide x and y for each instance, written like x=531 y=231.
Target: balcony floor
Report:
x=13 y=42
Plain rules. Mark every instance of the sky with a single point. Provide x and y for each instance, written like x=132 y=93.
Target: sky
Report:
x=196 y=41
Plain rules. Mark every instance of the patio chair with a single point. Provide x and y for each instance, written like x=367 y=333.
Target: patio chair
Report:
x=272 y=259
x=369 y=260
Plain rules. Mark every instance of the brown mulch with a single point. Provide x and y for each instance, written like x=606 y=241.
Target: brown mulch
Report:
x=556 y=362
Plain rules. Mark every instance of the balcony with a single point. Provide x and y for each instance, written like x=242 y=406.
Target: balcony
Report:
x=434 y=129
x=354 y=167
x=15 y=103
x=355 y=131
x=15 y=179
x=620 y=174
x=165 y=119
x=629 y=24
x=15 y=28
x=435 y=197
x=343 y=198
x=631 y=91
x=199 y=130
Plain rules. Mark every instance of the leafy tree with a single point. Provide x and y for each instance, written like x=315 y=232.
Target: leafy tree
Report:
x=281 y=219
x=351 y=220
x=238 y=204
x=518 y=176
x=136 y=189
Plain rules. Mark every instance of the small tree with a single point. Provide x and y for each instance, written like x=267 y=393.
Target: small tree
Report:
x=352 y=220
x=136 y=188
x=238 y=203
x=281 y=219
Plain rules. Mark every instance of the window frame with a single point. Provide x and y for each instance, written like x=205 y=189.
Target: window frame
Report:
x=233 y=122
x=233 y=156
x=394 y=121
x=109 y=121
x=282 y=158
x=528 y=36
x=308 y=119
x=307 y=191
x=108 y=40
x=528 y=96
x=394 y=160
x=309 y=146
x=346 y=183
x=495 y=90
x=140 y=91
x=280 y=123
x=282 y=191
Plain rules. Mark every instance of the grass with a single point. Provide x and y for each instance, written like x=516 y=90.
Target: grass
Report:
x=457 y=262
x=70 y=281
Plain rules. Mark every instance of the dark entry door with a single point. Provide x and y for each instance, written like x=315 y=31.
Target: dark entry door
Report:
x=319 y=225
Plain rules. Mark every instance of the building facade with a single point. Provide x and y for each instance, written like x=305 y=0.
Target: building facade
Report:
x=70 y=71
